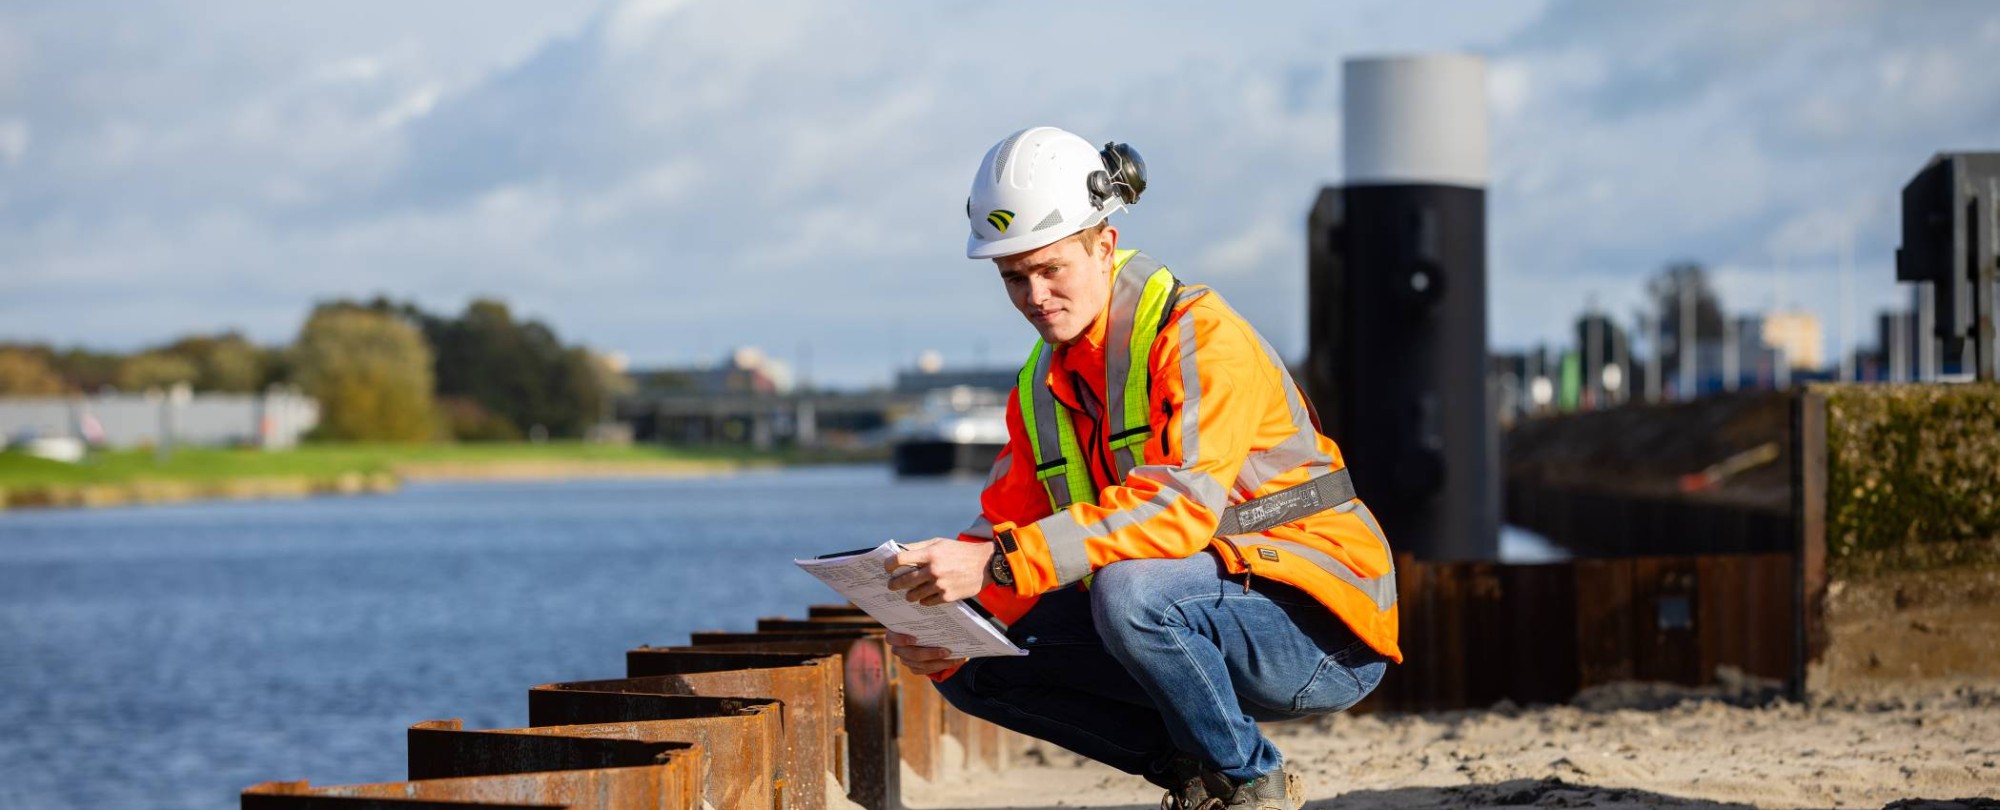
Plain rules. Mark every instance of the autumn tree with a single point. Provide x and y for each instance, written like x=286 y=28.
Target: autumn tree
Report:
x=27 y=373
x=371 y=373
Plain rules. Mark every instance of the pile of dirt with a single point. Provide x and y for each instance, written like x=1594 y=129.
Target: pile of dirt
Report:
x=1894 y=626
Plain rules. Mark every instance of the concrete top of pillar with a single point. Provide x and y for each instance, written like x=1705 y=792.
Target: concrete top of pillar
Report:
x=1415 y=120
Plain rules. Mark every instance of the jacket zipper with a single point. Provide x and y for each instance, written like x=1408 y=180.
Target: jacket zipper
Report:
x=1097 y=450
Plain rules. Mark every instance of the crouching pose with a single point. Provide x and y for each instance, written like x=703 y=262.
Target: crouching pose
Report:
x=1166 y=532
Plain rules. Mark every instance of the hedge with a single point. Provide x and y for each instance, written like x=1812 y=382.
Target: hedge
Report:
x=1913 y=475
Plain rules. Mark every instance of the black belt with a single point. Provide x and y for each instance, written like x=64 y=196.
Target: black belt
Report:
x=1287 y=505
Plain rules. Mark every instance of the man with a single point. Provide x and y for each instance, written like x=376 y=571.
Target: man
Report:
x=1166 y=531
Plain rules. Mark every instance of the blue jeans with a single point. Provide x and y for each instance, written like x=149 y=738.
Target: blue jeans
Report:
x=1166 y=656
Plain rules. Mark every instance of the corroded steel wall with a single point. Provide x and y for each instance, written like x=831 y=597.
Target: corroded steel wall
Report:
x=791 y=717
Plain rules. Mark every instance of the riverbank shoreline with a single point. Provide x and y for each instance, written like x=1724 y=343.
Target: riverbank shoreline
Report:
x=135 y=478
x=574 y=470
x=153 y=492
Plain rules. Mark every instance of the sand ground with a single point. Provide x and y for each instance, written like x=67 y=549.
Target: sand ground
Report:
x=1622 y=746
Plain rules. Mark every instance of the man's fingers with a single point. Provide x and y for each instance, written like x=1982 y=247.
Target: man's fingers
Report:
x=921 y=660
x=914 y=654
x=906 y=646
x=910 y=579
x=929 y=653
x=934 y=667
x=913 y=554
x=905 y=559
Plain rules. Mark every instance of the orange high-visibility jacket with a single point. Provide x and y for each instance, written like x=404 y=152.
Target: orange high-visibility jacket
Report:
x=1228 y=424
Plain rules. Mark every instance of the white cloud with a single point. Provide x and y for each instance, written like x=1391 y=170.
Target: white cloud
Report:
x=352 y=69
x=1509 y=84
x=1265 y=242
x=416 y=104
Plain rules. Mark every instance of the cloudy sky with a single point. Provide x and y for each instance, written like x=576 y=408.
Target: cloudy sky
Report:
x=673 y=179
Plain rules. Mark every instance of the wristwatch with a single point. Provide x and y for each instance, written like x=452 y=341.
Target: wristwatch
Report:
x=998 y=567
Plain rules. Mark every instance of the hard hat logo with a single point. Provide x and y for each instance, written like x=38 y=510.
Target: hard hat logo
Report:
x=1055 y=179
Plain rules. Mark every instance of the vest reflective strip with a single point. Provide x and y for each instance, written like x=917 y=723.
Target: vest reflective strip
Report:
x=1127 y=286
x=1058 y=459
x=1076 y=474
x=1137 y=399
x=1138 y=294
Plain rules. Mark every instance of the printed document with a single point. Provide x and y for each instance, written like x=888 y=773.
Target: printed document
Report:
x=954 y=626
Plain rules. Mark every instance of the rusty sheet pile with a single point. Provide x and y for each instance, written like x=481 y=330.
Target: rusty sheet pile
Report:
x=802 y=714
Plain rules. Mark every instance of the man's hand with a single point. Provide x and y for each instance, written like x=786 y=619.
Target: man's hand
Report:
x=938 y=570
x=921 y=660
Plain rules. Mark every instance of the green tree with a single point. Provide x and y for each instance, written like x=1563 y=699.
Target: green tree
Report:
x=468 y=421
x=26 y=372
x=371 y=373
x=518 y=371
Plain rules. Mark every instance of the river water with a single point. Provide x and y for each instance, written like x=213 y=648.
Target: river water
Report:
x=171 y=656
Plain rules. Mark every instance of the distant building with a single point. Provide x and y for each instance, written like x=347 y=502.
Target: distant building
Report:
x=1798 y=334
x=745 y=371
x=1895 y=357
x=273 y=421
x=1605 y=351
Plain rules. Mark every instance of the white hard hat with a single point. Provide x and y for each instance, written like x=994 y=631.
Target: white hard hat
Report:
x=1042 y=184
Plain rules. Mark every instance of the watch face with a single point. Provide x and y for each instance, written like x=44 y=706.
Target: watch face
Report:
x=1002 y=572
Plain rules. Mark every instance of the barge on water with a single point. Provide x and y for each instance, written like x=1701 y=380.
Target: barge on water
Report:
x=959 y=430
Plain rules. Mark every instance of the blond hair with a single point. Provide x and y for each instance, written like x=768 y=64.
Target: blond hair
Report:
x=1089 y=235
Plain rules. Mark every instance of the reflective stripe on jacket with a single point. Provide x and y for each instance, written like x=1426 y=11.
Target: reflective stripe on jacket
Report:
x=1225 y=424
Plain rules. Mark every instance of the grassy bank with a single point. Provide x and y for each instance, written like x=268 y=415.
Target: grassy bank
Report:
x=136 y=476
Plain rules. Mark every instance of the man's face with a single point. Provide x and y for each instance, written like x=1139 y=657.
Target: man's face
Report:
x=1061 y=288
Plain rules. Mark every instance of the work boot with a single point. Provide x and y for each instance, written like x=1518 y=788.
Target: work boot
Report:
x=1190 y=785
x=1276 y=790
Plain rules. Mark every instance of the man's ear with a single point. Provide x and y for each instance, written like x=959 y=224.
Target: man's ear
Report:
x=1108 y=240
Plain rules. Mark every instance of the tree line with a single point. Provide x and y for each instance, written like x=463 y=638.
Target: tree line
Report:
x=381 y=370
